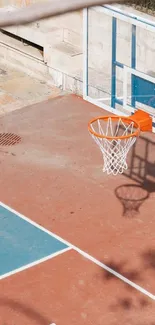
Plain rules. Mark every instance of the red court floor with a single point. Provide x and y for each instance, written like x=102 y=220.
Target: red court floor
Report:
x=54 y=176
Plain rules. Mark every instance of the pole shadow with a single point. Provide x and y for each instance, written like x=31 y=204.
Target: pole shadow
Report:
x=21 y=308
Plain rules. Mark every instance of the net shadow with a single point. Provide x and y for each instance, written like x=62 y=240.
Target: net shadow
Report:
x=131 y=196
x=141 y=163
x=141 y=170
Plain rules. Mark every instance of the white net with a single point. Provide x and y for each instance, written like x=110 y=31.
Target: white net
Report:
x=114 y=150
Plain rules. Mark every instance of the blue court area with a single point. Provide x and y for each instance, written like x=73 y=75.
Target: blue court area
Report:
x=22 y=243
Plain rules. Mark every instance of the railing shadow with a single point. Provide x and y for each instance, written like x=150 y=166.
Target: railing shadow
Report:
x=141 y=163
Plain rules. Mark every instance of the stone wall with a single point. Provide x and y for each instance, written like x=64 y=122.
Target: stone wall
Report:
x=61 y=39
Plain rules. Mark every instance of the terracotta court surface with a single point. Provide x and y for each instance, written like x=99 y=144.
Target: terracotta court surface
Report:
x=77 y=246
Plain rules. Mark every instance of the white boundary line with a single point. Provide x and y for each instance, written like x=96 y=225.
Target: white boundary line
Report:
x=106 y=107
x=81 y=252
x=44 y=259
x=108 y=98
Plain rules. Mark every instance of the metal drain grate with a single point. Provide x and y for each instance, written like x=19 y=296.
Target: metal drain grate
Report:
x=9 y=139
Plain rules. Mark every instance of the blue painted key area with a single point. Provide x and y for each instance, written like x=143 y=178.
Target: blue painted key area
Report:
x=22 y=243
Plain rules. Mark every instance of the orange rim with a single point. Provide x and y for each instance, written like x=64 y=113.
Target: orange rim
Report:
x=124 y=119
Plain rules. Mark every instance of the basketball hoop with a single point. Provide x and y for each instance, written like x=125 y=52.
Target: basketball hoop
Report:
x=115 y=135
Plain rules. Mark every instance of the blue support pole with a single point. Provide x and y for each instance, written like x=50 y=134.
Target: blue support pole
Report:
x=133 y=64
x=113 y=77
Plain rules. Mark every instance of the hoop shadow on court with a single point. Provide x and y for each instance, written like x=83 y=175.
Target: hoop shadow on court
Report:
x=141 y=169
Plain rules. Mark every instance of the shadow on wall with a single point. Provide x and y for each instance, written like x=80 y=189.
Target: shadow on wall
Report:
x=141 y=170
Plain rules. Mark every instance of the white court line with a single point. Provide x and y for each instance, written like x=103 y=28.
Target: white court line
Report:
x=27 y=266
x=81 y=252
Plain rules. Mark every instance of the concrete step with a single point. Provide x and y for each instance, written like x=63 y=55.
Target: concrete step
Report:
x=36 y=35
x=63 y=67
x=67 y=28
x=21 y=46
x=64 y=57
x=17 y=89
